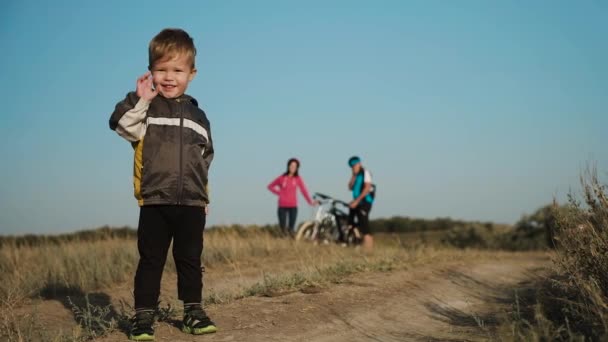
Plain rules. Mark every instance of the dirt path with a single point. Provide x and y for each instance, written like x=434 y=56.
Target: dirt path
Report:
x=453 y=301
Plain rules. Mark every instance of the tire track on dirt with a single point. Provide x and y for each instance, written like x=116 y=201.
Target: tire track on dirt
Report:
x=450 y=301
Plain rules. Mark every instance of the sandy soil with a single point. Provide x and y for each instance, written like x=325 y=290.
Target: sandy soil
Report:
x=450 y=301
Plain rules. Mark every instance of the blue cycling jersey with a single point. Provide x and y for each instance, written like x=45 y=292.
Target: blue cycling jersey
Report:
x=361 y=178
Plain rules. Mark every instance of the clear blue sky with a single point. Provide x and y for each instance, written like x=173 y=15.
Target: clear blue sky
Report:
x=469 y=109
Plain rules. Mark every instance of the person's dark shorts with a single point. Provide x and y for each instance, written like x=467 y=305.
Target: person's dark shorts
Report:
x=361 y=214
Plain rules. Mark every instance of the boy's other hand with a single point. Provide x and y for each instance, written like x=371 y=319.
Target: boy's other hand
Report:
x=145 y=89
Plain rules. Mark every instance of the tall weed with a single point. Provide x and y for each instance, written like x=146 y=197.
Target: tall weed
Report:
x=572 y=305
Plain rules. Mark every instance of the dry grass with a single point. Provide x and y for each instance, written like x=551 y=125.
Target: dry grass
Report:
x=52 y=270
x=573 y=304
x=64 y=268
x=73 y=269
x=57 y=266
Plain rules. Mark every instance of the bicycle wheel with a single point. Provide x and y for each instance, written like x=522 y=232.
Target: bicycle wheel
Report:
x=307 y=231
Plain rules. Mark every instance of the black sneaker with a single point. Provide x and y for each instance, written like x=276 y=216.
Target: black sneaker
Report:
x=197 y=322
x=141 y=326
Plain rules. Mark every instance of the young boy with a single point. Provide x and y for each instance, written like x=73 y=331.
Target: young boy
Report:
x=173 y=150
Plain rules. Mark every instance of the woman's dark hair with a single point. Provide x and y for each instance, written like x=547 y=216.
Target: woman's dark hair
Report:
x=297 y=166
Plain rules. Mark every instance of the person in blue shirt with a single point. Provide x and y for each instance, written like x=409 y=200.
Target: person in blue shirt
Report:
x=363 y=197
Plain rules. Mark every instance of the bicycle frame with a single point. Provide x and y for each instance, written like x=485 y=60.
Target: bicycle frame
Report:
x=328 y=220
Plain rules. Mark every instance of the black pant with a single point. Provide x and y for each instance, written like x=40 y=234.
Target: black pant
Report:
x=284 y=215
x=361 y=212
x=158 y=225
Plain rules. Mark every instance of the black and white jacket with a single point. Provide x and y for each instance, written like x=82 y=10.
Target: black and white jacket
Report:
x=173 y=148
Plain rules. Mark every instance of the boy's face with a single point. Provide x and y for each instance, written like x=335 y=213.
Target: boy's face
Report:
x=171 y=76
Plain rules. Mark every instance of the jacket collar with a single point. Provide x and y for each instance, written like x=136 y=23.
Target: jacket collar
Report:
x=182 y=98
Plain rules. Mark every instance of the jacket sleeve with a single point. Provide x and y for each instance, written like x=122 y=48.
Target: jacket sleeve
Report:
x=304 y=190
x=209 y=152
x=272 y=187
x=129 y=117
x=208 y=155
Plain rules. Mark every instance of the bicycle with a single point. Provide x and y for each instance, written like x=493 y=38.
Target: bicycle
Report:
x=330 y=223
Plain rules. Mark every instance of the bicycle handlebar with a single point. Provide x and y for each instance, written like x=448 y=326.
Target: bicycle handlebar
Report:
x=342 y=202
x=318 y=195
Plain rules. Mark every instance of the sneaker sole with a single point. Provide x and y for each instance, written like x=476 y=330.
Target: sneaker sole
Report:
x=200 y=331
x=142 y=337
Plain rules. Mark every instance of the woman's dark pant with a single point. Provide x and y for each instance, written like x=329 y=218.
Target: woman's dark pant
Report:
x=285 y=215
x=158 y=225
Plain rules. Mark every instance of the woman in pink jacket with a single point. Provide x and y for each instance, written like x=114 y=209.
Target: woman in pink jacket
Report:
x=286 y=186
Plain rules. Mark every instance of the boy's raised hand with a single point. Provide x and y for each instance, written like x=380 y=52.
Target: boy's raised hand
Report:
x=145 y=89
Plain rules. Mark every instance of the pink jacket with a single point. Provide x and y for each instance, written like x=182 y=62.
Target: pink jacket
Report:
x=286 y=187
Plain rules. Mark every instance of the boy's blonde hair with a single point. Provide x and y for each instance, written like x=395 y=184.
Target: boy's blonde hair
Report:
x=169 y=43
